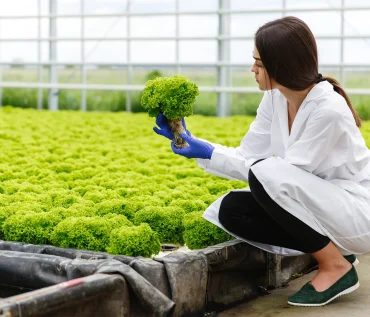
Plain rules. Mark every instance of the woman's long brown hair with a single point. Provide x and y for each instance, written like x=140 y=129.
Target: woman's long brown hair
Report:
x=288 y=52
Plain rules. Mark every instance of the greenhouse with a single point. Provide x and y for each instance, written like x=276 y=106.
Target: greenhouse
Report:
x=127 y=126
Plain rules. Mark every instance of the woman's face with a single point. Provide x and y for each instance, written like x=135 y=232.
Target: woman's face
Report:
x=260 y=74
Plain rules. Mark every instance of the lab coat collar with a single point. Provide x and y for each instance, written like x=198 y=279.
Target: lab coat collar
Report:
x=317 y=91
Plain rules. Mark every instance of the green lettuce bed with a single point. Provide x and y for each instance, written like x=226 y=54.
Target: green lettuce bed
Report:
x=107 y=182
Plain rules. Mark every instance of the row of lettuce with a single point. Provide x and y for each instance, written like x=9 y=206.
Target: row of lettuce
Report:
x=113 y=232
x=106 y=181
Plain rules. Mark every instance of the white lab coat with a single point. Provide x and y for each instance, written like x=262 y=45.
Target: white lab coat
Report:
x=320 y=173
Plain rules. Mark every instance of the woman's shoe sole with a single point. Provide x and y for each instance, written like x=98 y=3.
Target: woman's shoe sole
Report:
x=346 y=291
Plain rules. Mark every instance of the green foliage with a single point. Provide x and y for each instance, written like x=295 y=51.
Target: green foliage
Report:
x=5 y=213
x=90 y=233
x=363 y=110
x=25 y=98
x=98 y=196
x=134 y=241
x=173 y=96
x=296 y=275
x=165 y=221
x=209 y=199
x=134 y=204
x=31 y=228
x=8 y=211
x=83 y=209
x=153 y=74
x=74 y=165
x=216 y=188
x=84 y=165
x=206 y=103
x=117 y=221
x=199 y=233
x=65 y=199
x=115 y=206
x=189 y=205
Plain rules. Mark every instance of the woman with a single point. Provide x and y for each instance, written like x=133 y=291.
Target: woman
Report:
x=306 y=162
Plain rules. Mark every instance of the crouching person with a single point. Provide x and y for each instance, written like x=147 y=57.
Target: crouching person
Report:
x=306 y=163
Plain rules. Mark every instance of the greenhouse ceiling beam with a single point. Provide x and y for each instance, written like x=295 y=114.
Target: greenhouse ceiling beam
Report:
x=215 y=89
x=171 y=13
x=171 y=38
x=160 y=64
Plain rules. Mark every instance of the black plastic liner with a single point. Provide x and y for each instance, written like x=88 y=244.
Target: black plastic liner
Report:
x=178 y=284
x=157 y=285
x=92 y=296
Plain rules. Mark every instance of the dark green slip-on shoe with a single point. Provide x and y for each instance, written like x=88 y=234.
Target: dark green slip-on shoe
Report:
x=352 y=259
x=308 y=296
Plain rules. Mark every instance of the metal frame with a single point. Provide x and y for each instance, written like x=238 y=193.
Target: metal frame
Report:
x=171 y=38
x=223 y=65
x=53 y=73
x=128 y=52
x=10 y=84
x=40 y=68
x=83 y=67
x=220 y=11
x=223 y=72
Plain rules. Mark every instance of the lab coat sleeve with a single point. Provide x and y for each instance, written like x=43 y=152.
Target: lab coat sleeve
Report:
x=324 y=128
x=205 y=163
x=234 y=163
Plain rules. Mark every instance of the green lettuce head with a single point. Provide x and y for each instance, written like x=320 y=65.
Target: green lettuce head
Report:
x=173 y=96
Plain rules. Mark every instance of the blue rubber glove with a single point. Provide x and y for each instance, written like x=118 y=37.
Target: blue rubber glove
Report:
x=165 y=129
x=196 y=148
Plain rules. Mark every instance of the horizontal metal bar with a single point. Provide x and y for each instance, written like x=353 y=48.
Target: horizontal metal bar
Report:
x=70 y=86
x=113 y=87
x=108 y=39
x=159 y=64
x=169 y=13
x=167 y=38
x=141 y=87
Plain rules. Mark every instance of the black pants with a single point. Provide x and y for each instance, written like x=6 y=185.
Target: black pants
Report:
x=255 y=216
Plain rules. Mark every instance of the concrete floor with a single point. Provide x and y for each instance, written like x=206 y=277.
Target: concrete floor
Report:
x=356 y=304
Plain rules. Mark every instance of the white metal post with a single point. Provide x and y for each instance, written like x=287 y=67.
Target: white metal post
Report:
x=224 y=72
x=283 y=4
x=39 y=57
x=83 y=68
x=53 y=75
x=178 y=70
x=341 y=76
x=129 y=66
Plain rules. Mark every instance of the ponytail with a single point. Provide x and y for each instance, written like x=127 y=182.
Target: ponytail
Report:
x=341 y=91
